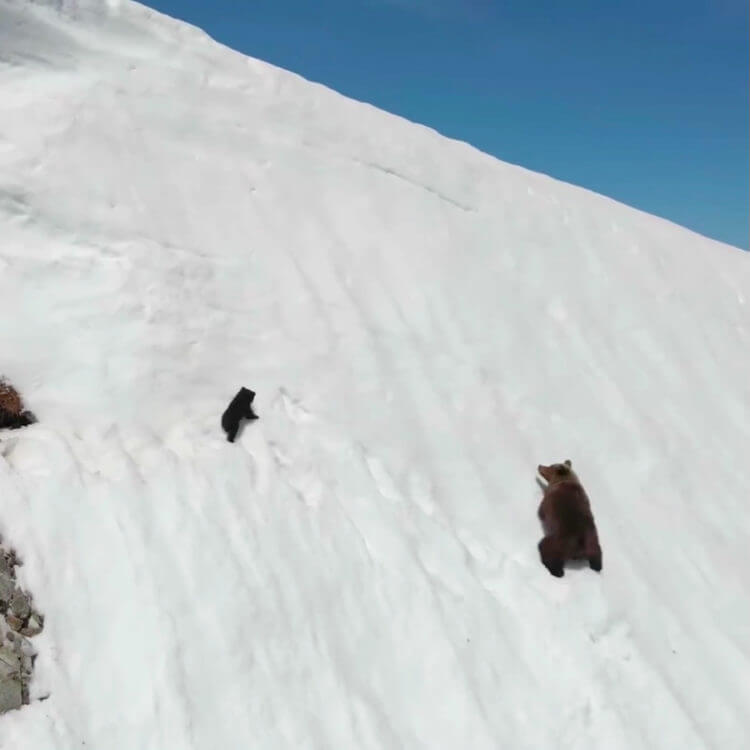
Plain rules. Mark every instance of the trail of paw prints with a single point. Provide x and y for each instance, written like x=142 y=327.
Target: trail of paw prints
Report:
x=446 y=555
x=40 y=452
x=304 y=481
x=297 y=457
x=613 y=650
x=612 y=639
x=189 y=439
x=481 y=556
x=111 y=453
x=293 y=408
x=576 y=727
x=383 y=481
x=259 y=451
x=420 y=492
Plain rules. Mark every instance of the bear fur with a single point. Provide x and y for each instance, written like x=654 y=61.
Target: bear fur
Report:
x=239 y=408
x=569 y=528
x=14 y=421
x=12 y=413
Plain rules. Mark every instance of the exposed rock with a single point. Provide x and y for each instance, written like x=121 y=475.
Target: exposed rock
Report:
x=10 y=661
x=20 y=605
x=20 y=623
x=33 y=626
x=15 y=623
x=11 y=683
x=7 y=588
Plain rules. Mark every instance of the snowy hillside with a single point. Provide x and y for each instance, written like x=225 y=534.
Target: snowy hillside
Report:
x=423 y=326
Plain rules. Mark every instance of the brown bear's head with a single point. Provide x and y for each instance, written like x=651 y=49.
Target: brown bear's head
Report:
x=558 y=472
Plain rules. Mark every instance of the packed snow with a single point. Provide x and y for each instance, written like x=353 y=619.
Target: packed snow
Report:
x=423 y=325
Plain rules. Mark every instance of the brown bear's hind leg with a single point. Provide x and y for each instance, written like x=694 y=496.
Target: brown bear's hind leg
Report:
x=549 y=550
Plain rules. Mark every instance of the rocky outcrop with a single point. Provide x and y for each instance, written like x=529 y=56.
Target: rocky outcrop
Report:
x=19 y=622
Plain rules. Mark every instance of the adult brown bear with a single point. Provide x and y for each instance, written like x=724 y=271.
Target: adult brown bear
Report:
x=569 y=528
x=12 y=413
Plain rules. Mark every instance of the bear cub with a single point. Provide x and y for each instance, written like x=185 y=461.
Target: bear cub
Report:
x=240 y=407
x=565 y=513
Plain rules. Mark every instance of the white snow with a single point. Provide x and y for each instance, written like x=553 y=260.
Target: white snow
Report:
x=423 y=325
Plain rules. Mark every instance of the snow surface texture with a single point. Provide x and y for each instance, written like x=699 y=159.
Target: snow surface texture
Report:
x=423 y=325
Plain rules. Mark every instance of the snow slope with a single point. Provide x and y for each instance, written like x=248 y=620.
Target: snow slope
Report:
x=423 y=325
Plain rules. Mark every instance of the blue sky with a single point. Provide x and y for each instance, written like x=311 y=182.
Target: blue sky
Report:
x=646 y=102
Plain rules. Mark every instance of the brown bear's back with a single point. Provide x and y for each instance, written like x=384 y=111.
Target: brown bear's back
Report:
x=566 y=509
x=10 y=401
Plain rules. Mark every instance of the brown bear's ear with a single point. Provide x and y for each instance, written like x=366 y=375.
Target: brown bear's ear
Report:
x=568 y=463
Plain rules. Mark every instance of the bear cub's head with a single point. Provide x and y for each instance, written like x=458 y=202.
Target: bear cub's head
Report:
x=556 y=473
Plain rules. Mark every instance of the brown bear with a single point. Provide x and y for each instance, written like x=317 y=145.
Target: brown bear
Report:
x=565 y=513
x=12 y=413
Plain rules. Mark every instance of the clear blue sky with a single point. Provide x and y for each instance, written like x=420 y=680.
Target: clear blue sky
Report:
x=646 y=102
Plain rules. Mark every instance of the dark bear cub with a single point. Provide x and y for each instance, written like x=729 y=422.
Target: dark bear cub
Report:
x=240 y=407
x=565 y=513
